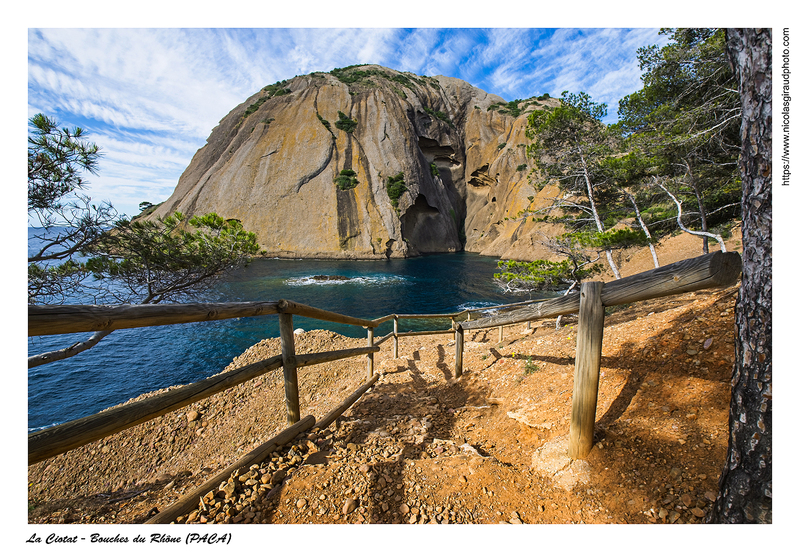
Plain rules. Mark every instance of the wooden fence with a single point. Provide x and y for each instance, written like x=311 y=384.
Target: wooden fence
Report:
x=707 y=271
x=717 y=269
x=64 y=319
x=60 y=319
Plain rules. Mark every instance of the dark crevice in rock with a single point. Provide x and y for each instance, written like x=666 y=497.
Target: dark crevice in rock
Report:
x=426 y=229
x=433 y=151
x=324 y=165
x=481 y=177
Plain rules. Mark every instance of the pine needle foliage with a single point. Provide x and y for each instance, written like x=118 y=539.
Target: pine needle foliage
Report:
x=151 y=261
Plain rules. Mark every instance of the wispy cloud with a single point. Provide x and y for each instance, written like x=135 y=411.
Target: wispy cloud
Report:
x=150 y=97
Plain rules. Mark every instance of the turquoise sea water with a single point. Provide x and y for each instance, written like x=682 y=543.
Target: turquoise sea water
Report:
x=130 y=362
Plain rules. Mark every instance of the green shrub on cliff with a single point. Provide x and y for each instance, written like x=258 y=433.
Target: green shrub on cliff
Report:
x=346 y=179
x=439 y=115
x=253 y=107
x=277 y=89
x=350 y=75
x=395 y=186
x=345 y=123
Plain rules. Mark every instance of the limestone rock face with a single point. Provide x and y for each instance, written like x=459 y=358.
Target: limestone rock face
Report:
x=273 y=163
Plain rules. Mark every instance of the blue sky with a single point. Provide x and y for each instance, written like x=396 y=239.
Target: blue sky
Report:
x=150 y=97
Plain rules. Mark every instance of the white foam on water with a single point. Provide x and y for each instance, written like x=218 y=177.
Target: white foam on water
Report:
x=381 y=280
x=479 y=305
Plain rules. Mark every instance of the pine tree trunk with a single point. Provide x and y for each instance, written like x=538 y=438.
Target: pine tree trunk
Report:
x=700 y=206
x=597 y=221
x=683 y=227
x=746 y=482
x=644 y=227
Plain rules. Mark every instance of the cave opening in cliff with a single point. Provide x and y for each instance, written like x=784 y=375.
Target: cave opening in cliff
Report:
x=427 y=229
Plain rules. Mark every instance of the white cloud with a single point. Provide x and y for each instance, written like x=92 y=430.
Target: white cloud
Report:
x=150 y=97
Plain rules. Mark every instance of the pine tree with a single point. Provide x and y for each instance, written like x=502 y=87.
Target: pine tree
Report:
x=746 y=483
x=568 y=145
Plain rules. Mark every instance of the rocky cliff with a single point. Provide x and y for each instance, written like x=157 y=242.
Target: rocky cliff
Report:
x=367 y=162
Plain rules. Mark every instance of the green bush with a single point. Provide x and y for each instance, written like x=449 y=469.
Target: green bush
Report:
x=402 y=79
x=276 y=89
x=395 y=187
x=346 y=180
x=345 y=123
x=522 y=167
x=540 y=274
x=434 y=169
x=399 y=92
x=530 y=367
x=612 y=239
x=513 y=108
x=501 y=146
x=253 y=107
x=349 y=75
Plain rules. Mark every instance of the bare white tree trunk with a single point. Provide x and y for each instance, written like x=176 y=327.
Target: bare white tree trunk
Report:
x=558 y=320
x=693 y=232
x=644 y=228
x=700 y=206
x=597 y=221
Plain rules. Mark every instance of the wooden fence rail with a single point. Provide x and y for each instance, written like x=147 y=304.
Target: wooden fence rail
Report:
x=63 y=319
x=60 y=319
x=717 y=269
x=714 y=270
x=55 y=440
x=706 y=271
x=189 y=501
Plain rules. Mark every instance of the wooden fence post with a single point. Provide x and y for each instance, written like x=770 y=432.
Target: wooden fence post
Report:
x=459 y=350
x=370 y=356
x=396 y=340
x=289 y=368
x=587 y=370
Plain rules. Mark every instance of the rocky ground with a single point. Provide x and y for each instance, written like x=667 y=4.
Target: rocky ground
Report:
x=423 y=447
